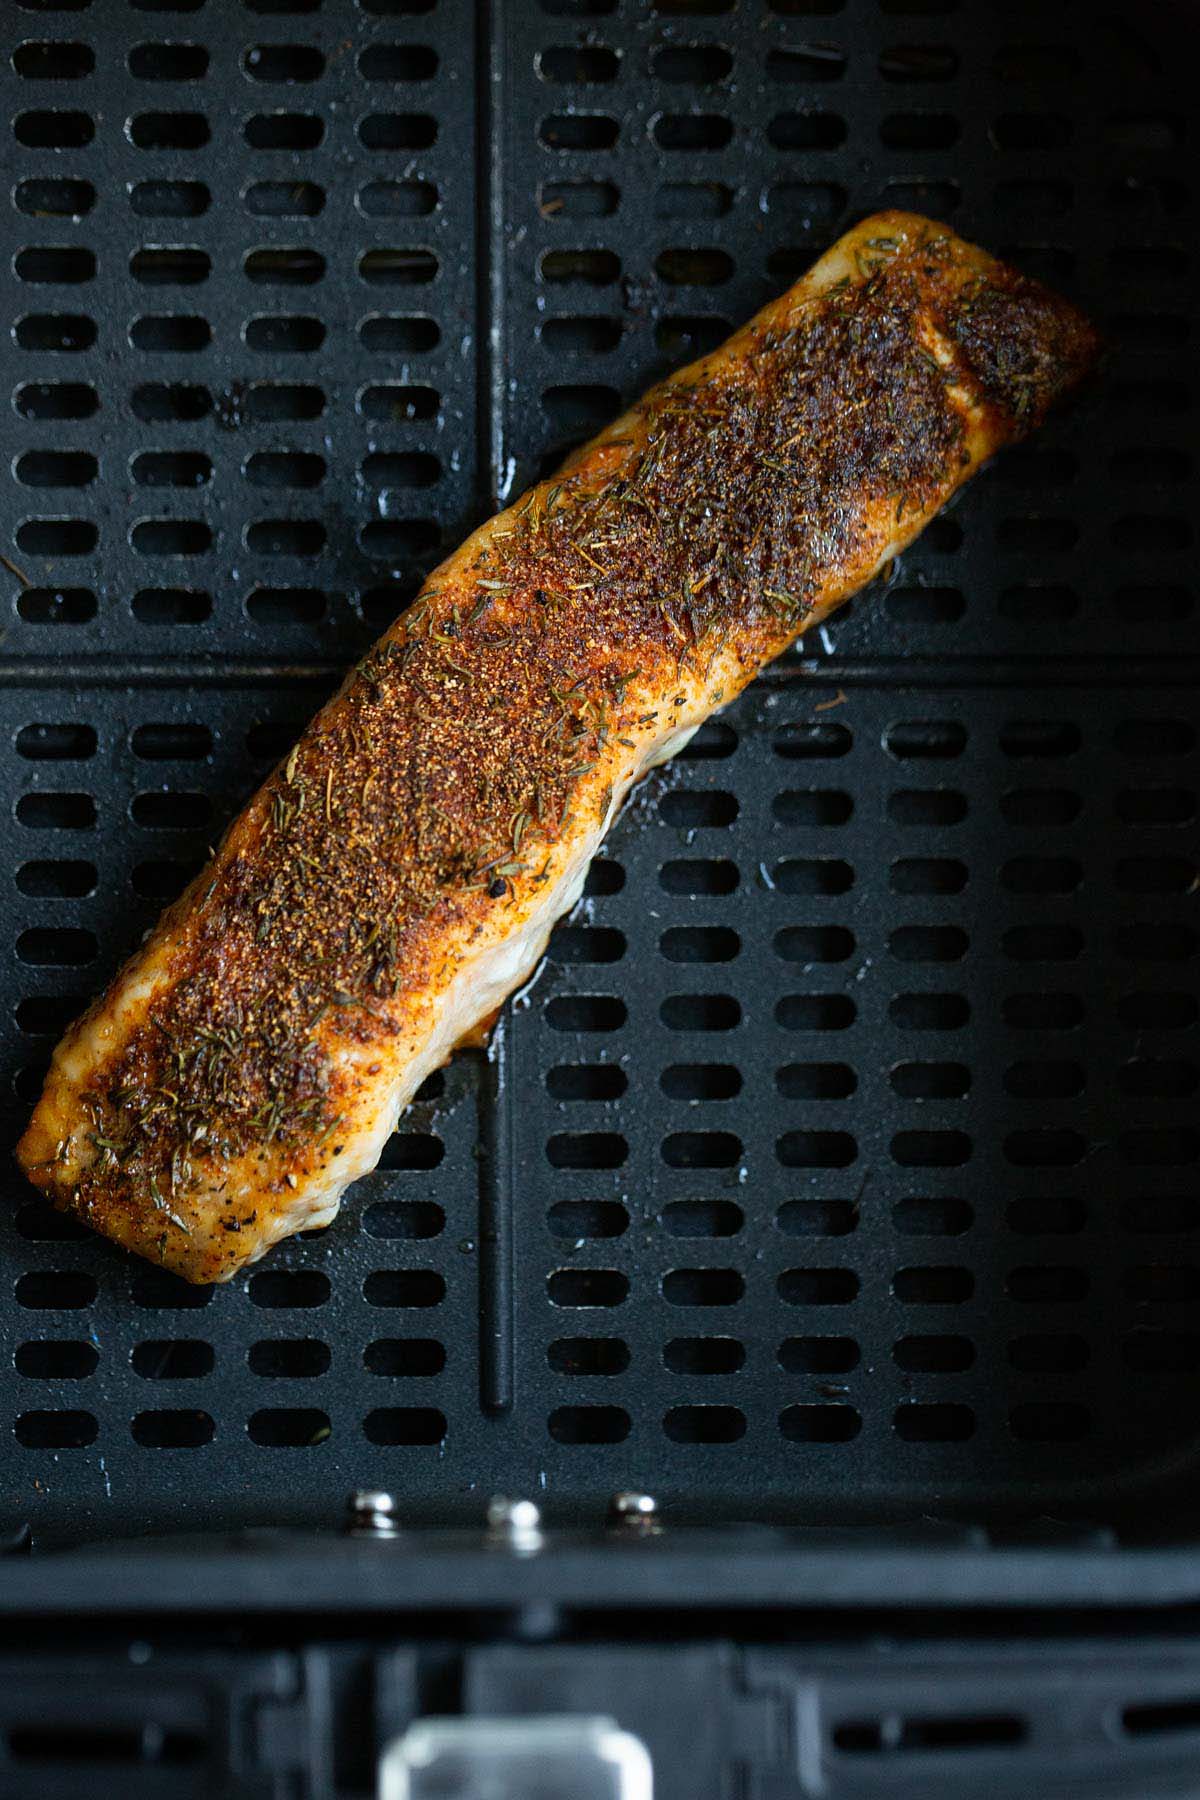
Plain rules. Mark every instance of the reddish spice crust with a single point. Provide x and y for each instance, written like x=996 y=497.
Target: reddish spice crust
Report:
x=450 y=763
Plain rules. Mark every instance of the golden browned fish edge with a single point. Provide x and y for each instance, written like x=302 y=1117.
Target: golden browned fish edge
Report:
x=400 y=871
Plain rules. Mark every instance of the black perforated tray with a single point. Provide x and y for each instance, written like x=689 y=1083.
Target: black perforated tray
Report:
x=842 y=1160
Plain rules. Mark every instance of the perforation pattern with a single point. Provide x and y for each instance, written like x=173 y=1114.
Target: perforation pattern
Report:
x=242 y=270
x=934 y=1143
x=847 y=1129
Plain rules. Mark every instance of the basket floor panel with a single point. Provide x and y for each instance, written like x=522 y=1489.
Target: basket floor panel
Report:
x=259 y=378
x=847 y=1162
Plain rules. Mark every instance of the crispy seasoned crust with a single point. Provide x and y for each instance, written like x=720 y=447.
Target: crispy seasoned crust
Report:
x=399 y=872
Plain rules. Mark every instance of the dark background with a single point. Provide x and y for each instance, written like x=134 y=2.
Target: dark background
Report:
x=842 y=1159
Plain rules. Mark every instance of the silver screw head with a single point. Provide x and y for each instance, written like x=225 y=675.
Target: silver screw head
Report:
x=632 y=1512
x=516 y=1524
x=371 y=1512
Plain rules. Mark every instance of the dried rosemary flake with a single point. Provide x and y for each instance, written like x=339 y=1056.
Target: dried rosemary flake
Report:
x=791 y=603
x=160 y=1205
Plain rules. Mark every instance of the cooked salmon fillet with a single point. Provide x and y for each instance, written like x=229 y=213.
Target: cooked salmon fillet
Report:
x=399 y=873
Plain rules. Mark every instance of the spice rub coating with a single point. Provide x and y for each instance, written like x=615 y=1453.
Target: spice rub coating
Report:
x=399 y=873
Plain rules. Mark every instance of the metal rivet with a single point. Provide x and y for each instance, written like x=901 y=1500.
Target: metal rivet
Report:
x=371 y=1513
x=634 y=1513
x=516 y=1524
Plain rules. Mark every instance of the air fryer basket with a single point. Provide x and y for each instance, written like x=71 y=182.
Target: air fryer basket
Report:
x=842 y=1160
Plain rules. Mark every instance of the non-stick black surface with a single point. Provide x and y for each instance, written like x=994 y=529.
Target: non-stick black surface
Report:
x=842 y=1161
